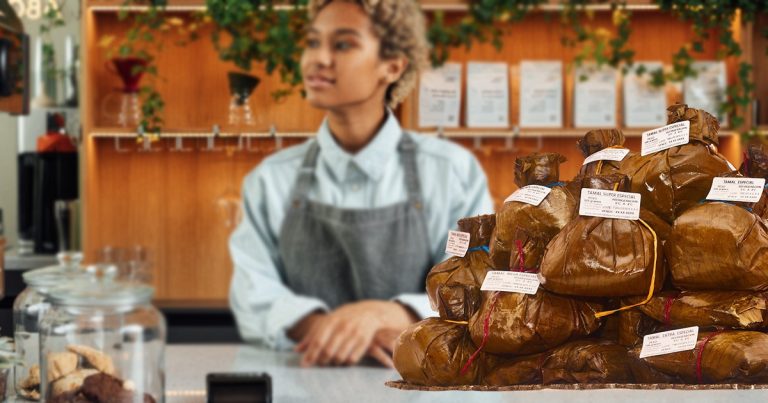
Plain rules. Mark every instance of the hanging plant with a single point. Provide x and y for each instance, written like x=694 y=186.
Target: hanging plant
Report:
x=706 y=18
x=486 y=18
x=143 y=41
x=270 y=32
x=257 y=31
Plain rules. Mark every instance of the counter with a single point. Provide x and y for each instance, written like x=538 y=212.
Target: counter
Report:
x=14 y=261
x=14 y=266
x=187 y=366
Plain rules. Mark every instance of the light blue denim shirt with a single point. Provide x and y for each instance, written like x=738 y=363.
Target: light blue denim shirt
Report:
x=453 y=186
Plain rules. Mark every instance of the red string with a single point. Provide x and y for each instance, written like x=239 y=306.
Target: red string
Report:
x=700 y=354
x=746 y=163
x=668 y=308
x=486 y=333
x=520 y=255
x=541 y=362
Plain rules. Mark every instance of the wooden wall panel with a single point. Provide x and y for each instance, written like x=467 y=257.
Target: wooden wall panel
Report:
x=655 y=37
x=177 y=204
x=193 y=83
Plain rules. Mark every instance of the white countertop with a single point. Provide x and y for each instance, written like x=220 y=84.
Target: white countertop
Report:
x=14 y=261
x=187 y=366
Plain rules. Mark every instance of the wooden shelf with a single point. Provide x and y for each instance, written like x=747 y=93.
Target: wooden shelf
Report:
x=108 y=133
x=198 y=134
x=115 y=5
x=426 y=5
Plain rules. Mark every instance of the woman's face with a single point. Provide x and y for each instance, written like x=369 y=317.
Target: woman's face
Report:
x=341 y=64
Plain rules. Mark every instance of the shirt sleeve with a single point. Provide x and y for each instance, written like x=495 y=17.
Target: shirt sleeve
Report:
x=264 y=308
x=470 y=197
x=419 y=303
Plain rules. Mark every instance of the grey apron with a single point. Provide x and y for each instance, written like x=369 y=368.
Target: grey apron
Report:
x=343 y=255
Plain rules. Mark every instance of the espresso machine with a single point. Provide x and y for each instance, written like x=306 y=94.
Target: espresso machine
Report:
x=47 y=173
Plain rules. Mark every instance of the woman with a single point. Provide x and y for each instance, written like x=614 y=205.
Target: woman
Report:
x=339 y=232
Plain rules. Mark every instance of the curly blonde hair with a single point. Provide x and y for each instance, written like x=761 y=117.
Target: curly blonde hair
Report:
x=400 y=26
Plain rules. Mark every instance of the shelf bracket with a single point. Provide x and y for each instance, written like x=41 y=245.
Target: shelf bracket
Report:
x=477 y=142
x=210 y=141
x=146 y=142
x=273 y=135
x=118 y=148
x=509 y=142
x=179 y=145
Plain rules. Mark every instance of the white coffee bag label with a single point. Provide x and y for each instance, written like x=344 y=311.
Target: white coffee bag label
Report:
x=665 y=137
x=607 y=154
x=609 y=204
x=736 y=189
x=531 y=194
x=458 y=243
x=511 y=281
x=672 y=341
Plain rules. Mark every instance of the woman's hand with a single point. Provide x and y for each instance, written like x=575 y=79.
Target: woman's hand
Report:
x=344 y=336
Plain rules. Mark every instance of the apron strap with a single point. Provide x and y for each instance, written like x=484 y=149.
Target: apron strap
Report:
x=411 y=173
x=407 y=149
x=306 y=175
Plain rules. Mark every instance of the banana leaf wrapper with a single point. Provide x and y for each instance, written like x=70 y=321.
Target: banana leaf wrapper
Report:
x=588 y=361
x=524 y=370
x=718 y=246
x=676 y=179
x=521 y=324
x=432 y=353
x=597 y=140
x=728 y=309
x=737 y=356
x=603 y=257
x=517 y=219
x=453 y=286
x=755 y=165
x=634 y=325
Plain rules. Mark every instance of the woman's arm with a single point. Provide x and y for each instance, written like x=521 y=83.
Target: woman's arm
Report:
x=265 y=309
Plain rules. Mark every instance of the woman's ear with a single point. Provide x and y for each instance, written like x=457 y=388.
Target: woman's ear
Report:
x=395 y=68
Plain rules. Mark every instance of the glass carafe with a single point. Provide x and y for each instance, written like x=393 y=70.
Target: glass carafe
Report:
x=241 y=87
x=128 y=110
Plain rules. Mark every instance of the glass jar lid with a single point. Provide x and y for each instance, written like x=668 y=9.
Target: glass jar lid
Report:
x=67 y=270
x=100 y=289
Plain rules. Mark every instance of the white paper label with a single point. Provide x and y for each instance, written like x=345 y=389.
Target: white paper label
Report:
x=511 y=281
x=541 y=94
x=440 y=96
x=487 y=95
x=594 y=95
x=607 y=154
x=708 y=89
x=672 y=341
x=531 y=194
x=665 y=137
x=610 y=204
x=458 y=243
x=644 y=104
x=737 y=189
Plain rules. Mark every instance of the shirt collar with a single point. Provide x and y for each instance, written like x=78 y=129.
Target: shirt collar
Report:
x=371 y=160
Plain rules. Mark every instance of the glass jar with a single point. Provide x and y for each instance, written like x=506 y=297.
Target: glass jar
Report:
x=28 y=309
x=102 y=340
